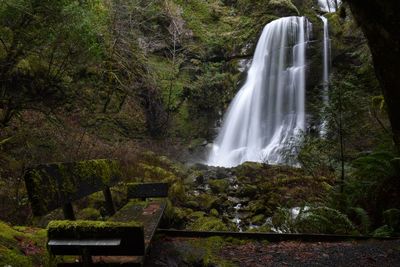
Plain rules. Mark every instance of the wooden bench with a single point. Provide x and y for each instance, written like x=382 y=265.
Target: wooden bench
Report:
x=128 y=232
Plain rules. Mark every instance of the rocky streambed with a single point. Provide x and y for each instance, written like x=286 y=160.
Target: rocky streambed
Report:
x=250 y=197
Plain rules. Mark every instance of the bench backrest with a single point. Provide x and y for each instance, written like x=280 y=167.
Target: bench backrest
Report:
x=51 y=186
x=147 y=190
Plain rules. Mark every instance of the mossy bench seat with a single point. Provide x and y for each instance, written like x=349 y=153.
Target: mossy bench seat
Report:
x=128 y=232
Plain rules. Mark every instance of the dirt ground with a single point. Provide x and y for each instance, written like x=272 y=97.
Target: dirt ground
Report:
x=217 y=252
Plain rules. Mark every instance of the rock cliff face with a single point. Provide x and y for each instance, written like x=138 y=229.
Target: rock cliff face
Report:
x=380 y=23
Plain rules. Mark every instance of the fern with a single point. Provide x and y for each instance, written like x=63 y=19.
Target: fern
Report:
x=361 y=218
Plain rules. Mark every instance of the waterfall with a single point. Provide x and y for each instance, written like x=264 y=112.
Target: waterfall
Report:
x=269 y=109
x=325 y=71
x=329 y=5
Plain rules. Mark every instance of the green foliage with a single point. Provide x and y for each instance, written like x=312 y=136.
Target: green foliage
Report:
x=312 y=220
x=42 y=41
x=392 y=218
x=318 y=156
x=370 y=189
x=370 y=174
x=360 y=218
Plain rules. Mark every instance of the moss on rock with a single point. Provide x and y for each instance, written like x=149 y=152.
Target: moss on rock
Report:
x=204 y=223
x=258 y=219
x=218 y=185
x=283 y=8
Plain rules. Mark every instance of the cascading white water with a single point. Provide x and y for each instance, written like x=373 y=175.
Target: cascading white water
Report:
x=325 y=71
x=329 y=5
x=269 y=109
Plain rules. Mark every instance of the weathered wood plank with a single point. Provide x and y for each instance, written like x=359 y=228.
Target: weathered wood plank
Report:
x=130 y=234
x=147 y=213
x=51 y=186
x=147 y=190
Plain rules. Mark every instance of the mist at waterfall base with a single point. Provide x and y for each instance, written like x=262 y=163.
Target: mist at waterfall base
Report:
x=269 y=110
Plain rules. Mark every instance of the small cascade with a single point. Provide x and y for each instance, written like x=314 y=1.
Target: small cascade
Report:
x=325 y=72
x=269 y=109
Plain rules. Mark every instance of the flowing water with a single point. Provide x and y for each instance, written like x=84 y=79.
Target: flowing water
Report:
x=269 y=109
x=329 y=5
x=325 y=72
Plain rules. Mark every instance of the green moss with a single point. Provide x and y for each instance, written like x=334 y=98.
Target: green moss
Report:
x=214 y=212
x=261 y=229
x=22 y=246
x=155 y=173
x=196 y=215
x=47 y=183
x=10 y=257
x=218 y=186
x=255 y=207
x=91 y=229
x=88 y=214
x=210 y=248
x=283 y=8
x=176 y=217
x=192 y=204
x=248 y=190
x=208 y=224
x=206 y=201
x=258 y=219
x=106 y=170
x=177 y=192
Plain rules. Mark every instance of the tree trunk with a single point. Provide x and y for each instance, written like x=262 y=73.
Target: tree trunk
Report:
x=380 y=22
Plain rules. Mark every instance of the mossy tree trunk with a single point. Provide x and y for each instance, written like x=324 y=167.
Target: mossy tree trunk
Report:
x=380 y=22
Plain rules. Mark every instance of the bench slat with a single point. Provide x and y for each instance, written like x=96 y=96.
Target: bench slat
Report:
x=70 y=237
x=147 y=213
x=85 y=242
x=147 y=190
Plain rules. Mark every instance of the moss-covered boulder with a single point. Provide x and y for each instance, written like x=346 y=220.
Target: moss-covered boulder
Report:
x=258 y=219
x=218 y=186
x=247 y=190
x=206 y=201
x=204 y=223
x=282 y=8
